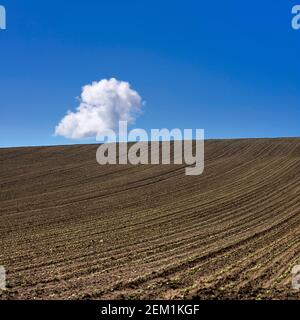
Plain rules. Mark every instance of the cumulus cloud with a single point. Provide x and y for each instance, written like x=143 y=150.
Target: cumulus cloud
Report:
x=102 y=105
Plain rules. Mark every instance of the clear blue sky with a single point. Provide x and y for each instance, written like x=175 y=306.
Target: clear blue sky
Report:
x=231 y=67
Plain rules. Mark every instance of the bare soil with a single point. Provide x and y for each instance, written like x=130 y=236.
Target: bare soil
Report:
x=72 y=229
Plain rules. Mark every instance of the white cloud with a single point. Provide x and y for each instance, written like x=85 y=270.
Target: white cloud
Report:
x=102 y=105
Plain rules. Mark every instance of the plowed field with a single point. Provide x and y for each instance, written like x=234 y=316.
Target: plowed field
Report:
x=72 y=229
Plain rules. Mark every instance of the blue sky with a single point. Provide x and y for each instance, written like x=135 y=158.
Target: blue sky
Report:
x=230 y=67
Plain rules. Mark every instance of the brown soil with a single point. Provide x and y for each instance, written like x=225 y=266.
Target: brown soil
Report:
x=72 y=229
